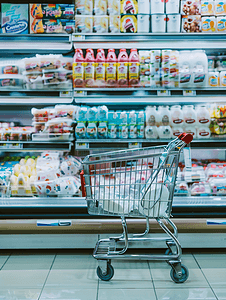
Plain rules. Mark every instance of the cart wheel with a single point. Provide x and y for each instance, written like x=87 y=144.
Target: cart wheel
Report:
x=108 y=275
x=182 y=278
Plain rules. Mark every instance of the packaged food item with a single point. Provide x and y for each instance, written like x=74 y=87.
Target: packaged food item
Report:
x=100 y=68
x=70 y=166
x=132 y=125
x=134 y=63
x=207 y=7
x=189 y=115
x=140 y=124
x=203 y=115
x=11 y=67
x=223 y=78
x=123 y=126
x=114 y=24
x=91 y=130
x=208 y=24
x=113 y=125
x=151 y=116
x=49 y=62
x=221 y=63
x=158 y=23
x=164 y=132
x=221 y=24
x=213 y=79
x=203 y=133
x=151 y=132
x=157 y=7
x=172 y=6
x=14 y=18
x=173 y=23
x=56 y=77
x=40 y=115
x=100 y=24
x=32 y=64
x=59 y=126
x=128 y=23
x=78 y=68
x=189 y=8
x=52 y=11
x=68 y=111
x=34 y=80
x=80 y=130
x=102 y=117
x=190 y=130
x=191 y=24
x=176 y=116
x=100 y=7
x=144 y=7
x=200 y=189
x=217 y=185
x=67 y=186
x=220 y=7
x=181 y=189
x=52 y=26
x=83 y=24
x=129 y=7
x=211 y=62
x=163 y=116
x=113 y=7
x=84 y=7
x=123 y=61
x=143 y=23
x=11 y=81
x=66 y=63
x=145 y=56
x=111 y=68
x=89 y=69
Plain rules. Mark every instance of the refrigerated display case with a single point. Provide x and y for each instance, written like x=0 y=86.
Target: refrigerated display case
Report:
x=63 y=222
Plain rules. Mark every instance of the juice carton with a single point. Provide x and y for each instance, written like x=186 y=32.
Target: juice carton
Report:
x=114 y=24
x=100 y=68
x=14 y=18
x=128 y=23
x=113 y=124
x=84 y=24
x=100 y=24
x=102 y=116
x=113 y=7
x=100 y=7
x=84 y=7
x=132 y=124
x=78 y=69
x=134 y=63
x=123 y=126
x=123 y=61
x=52 y=11
x=81 y=116
x=129 y=7
x=89 y=70
x=91 y=131
x=111 y=67
x=140 y=124
x=208 y=24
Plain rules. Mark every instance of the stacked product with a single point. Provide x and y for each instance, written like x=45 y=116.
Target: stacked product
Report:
x=217 y=71
x=11 y=74
x=218 y=120
x=9 y=132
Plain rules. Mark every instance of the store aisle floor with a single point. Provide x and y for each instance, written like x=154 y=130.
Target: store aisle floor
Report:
x=64 y=276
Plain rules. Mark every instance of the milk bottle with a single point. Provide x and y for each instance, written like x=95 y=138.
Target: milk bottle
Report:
x=177 y=130
x=123 y=61
x=191 y=130
x=176 y=116
x=111 y=63
x=165 y=132
x=203 y=133
x=113 y=125
x=199 y=63
x=151 y=132
x=163 y=116
x=140 y=125
x=91 y=130
x=203 y=116
x=151 y=116
x=80 y=130
x=78 y=68
x=100 y=67
x=185 y=69
x=189 y=115
x=102 y=117
x=132 y=125
x=89 y=68
x=123 y=126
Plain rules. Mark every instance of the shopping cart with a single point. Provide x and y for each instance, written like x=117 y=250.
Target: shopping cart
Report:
x=136 y=183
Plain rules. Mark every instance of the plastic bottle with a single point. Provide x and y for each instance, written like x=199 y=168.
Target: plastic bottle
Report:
x=134 y=68
x=123 y=126
x=203 y=132
x=213 y=78
x=151 y=116
x=203 y=116
x=123 y=60
x=111 y=69
x=163 y=117
x=100 y=68
x=89 y=68
x=78 y=69
x=165 y=132
x=185 y=69
x=199 y=64
x=189 y=115
x=151 y=132
x=132 y=124
x=176 y=117
x=223 y=78
x=191 y=130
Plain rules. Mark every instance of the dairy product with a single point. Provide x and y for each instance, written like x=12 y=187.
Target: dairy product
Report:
x=143 y=23
x=157 y=7
x=176 y=131
x=191 y=130
x=207 y=7
x=84 y=24
x=208 y=24
x=123 y=61
x=81 y=116
x=200 y=68
x=114 y=24
x=100 y=7
x=128 y=23
x=189 y=115
x=151 y=132
x=113 y=7
x=163 y=116
x=185 y=68
x=14 y=18
x=129 y=7
x=133 y=68
x=190 y=7
x=78 y=69
x=123 y=126
x=221 y=63
x=100 y=24
x=89 y=69
x=211 y=62
x=102 y=117
x=91 y=130
x=191 y=24
x=165 y=132
x=100 y=68
x=173 y=23
x=223 y=78
x=220 y=7
x=144 y=7
x=140 y=125
x=203 y=133
x=176 y=117
x=158 y=23
x=203 y=116
x=172 y=6
x=213 y=78
x=221 y=23
x=113 y=125
x=111 y=67
x=151 y=116
x=132 y=125
x=84 y=7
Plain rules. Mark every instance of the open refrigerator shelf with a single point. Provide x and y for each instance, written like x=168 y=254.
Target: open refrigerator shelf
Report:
x=35 y=146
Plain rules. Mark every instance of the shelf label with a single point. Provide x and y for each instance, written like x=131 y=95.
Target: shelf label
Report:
x=216 y=222
x=187 y=158
x=15 y=146
x=3 y=146
x=189 y=93
x=164 y=93
x=80 y=93
x=65 y=94
x=81 y=145
x=78 y=38
x=135 y=145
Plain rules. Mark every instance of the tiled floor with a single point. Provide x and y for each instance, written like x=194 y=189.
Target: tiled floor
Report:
x=64 y=276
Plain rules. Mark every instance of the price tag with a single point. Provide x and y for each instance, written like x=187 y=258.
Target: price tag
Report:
x=78 y=38
x=80 y=93
x=135 y=145
x=189 y=93
x=81 y=145
x=15 y=146
x=3 y=146
x=164 y=93
x=187 y=158
x=65 y=94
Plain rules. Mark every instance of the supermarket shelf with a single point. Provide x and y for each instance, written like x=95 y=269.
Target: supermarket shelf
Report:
x=35 y=146
x=151 y=41
x=216 y=143
x=28 y=100
x=33 y=43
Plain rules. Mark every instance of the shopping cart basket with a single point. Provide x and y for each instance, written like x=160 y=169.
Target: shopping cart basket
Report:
x=137 y=183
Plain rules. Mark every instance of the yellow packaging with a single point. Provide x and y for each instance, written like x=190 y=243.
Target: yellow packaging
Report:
x=83 y=7
x=207 y=8
x=128 y=23
x=100 y=7
x=114 y=24
x=208 y=24
x=100 y=24
x=220 y=7
x=221 y=24
x=129 y=7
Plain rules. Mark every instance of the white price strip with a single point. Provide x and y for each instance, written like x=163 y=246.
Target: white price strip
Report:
x=189 y=93
x=81 y=145
x=135 y=145
x=3 y=146
x=78 y=38
x=164 y=93
x=15 y=146
x=65 y=94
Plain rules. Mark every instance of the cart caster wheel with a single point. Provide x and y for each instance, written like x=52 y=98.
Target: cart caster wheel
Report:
x=108 y=275
x=182 y=278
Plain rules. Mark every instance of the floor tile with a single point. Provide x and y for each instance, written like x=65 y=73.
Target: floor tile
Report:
x=66 y=293
x=29 y=262
x=126 y=294
x=185 y=294
x=216 y=277
x=220 y=293
x=22 y=278
x=83 y=278
x=207 y=261
x=19 y=294
x=75 y=261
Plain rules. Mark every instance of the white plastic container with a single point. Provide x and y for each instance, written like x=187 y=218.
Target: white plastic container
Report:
x=172 y=6
x=143 y=23
x=151 y=116
x=189 y=115
x=165 y=132
x=191 y=130
x=203 y=116
x=163 y=116
x=176 y=117
x=151 y=132
x=207 y=7
x=213 y=79
x=203 y=133
x=176 y=131
x=199 y=62
x=185 y=68
x=157 y=7
x=158 y=23
x=223 y=78
x=173 y=23
x=143 y=7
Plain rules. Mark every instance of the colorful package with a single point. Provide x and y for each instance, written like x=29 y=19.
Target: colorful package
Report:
x=100 y=7
x=84 y=7
x=207 y=8
x=113 y=7
x=220 y=7
x=52 y=11
x=129 y=7
x=128 y=24
x=189 y=8
x=52 y=26
x=100 y=24
x=208 y=24
x=221 y=24
x=191 y=24
x=84 y=24
x=114 y=24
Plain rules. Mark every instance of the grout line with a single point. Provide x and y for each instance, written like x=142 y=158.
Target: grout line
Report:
x=152 y=281
x=5 y=261
x=205 y=276
x=47 y=276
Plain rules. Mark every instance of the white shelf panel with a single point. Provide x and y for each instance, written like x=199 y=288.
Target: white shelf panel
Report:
x=26 y=100
x=34 y=146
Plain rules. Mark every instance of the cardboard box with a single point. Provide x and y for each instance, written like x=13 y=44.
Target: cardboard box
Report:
x=52 y=11
x=209 y=24
x=83 y=7
x=114 y=24
x=129 y=7
x=190 y=7
x=220 y=7
x=221 y=24
x=191 y=24
x=84 y=24
x=14 y=18
x=207 y=8
x=52 y=26
x=113 y=7
x=128 y=23
x=100 y=24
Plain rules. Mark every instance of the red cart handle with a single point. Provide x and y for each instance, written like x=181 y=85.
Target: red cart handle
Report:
x=83 y=184
x=186 y=137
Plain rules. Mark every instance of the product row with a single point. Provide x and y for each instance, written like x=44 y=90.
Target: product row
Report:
x=152 y=68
